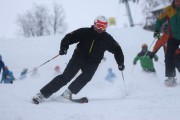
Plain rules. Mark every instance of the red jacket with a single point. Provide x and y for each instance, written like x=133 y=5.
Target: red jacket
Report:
x=163 y=42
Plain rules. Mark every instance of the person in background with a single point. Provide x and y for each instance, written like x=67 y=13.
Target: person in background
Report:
x=2 y=67
x=145 y=60
x=162 y=42
x=110 y=75
x=23 y=73
x=35 y=73
x=7 y=76
x=57 y=70
x=92 y=44
x=170 y=14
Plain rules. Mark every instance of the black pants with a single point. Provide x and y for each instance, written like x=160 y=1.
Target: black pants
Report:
x=177 y=62
x=169 y=57
x=75 y=64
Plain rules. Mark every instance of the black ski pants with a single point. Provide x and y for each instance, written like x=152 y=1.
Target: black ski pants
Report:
x=75 y=64
x=169 y=57
x=177 y=62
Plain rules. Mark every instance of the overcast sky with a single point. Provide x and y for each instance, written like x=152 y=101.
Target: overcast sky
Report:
x=76 y=11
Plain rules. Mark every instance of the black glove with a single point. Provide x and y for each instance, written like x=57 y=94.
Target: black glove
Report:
x=151 y=55
x=156 y=34
x=121 y=67
x=63 y=52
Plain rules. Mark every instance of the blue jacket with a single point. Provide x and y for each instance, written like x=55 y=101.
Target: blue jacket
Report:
x=2 y=65
x=110 y=76
x=7 y=77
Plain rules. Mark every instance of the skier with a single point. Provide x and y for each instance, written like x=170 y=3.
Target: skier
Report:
x=110 y=75
x=145 y=61
x=35 y=73
x=162 y=42
x=92 y=43
x=7 y=76
x=172 y=16
x=1 y=64
x=57 y=70
x=23 y=73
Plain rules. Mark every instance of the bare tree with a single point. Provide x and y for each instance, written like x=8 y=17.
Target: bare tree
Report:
x=58 y=17
x=26 y=23
x=39 y=21
x=42 y=20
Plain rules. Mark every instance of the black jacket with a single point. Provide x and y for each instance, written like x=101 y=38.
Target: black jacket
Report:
x=92 y=45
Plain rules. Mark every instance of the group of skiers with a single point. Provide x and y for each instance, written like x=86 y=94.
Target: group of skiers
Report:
x=169 y=19
x=171 y=15
x=8 y=77
x=146 y=56
x=92 y=42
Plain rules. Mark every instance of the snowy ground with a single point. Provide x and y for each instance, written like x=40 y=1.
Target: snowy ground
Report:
x=147 y=98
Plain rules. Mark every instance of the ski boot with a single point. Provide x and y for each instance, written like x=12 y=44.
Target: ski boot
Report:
x=65 y=97
x=38 y=98
x=67 y=94
x=170 y=82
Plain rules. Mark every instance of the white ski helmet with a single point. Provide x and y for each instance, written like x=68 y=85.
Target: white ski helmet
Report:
x=101 y=22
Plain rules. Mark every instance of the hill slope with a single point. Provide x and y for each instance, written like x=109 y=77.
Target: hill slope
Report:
x=147 y=99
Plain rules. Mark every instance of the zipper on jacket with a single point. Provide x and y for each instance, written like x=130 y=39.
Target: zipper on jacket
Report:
x=91 y=47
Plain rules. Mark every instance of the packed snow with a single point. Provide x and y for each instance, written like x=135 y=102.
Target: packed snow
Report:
x=147 y=98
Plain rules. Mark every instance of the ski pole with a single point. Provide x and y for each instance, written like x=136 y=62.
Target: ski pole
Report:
x=40 y=65
x=124 y=82
x=149 y=47
x=48 y=61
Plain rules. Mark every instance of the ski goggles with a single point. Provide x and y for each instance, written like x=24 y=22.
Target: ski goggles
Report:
x=101 y=26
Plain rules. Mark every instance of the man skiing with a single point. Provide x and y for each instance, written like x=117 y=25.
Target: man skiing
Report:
x=91 y=44
x=171 y=14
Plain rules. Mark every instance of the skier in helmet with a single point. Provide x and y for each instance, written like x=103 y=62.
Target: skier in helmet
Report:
x=91 y=45
x=145 y=60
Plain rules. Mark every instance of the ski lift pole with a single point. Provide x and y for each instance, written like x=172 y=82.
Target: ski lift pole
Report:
x=124 y=82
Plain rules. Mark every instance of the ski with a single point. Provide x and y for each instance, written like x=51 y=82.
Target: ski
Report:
x=80 y=100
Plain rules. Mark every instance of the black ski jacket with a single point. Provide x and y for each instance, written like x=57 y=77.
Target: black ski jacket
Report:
x=92 y=45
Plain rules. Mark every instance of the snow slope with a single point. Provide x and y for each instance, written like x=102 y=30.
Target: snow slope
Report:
x=147 y=98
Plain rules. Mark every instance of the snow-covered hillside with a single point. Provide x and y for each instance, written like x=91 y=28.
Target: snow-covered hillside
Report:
x=147 y=98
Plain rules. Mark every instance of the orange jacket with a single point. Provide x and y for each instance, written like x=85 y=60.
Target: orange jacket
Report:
x=163 y=42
